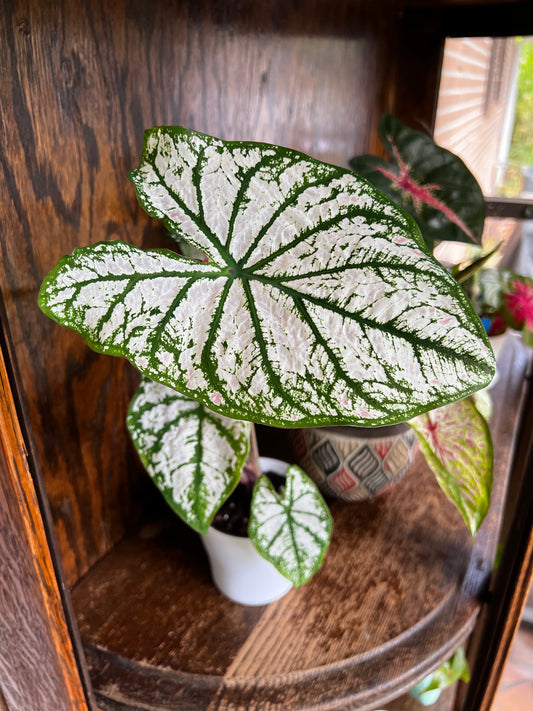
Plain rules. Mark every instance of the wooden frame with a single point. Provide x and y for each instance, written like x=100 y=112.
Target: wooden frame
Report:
x=79 y=81
x=38 y=667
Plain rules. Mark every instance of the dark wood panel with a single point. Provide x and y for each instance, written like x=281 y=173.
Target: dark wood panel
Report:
x=79 y=82
x=473 y=18
x=37 y=665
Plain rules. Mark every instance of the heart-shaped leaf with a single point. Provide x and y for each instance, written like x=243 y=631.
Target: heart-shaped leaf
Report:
x=431 y=183
x=292 y=530
x=318 y=304
x=194 y=456
x=457 y=445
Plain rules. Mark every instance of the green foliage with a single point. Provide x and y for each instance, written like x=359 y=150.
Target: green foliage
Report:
x=304 y=297
x=429 y=689
x=317 y=304
x=521 y=148
x=432 y=184
x=290 y=529
x=457 y=445
x=195 y=456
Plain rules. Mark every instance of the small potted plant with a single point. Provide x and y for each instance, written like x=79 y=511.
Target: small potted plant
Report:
x=504 y=299
x=316 y=303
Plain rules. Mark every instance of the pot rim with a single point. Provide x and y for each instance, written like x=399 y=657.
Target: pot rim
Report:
x=379 y=432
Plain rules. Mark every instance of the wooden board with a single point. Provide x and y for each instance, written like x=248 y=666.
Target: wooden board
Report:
x=400 y=590
x=37 y=665
x=79 y=83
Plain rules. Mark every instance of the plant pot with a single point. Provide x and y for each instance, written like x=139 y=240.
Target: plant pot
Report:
x=497 y=345
x=238 y=570
x=355 y=463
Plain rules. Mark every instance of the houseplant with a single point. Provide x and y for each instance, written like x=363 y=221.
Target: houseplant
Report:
x=504 y=299
x=430 y=182
x=317 y=303
x=439 y=191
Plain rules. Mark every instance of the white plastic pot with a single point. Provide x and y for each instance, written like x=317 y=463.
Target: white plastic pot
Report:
x=238 y=570
x=497 y=343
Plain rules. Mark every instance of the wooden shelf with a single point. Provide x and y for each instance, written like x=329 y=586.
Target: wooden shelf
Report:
x=399 y=591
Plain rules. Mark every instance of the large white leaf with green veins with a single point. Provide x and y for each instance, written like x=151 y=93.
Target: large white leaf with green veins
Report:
x=457 y=445
x=292 y=530
x=193 y=455
x=318 y=305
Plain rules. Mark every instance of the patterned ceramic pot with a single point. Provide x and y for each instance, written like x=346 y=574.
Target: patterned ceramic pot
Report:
x=355 y=463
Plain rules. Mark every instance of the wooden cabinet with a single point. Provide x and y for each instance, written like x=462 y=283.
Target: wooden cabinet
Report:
x=79 y=82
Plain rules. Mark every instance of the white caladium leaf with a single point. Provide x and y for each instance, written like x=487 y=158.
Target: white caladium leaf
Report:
x=291 y=530
x=318 y=303
x=457 y=445
x=194 y=456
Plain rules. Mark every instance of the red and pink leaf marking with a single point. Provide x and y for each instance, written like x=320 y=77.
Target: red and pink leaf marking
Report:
x=419 y=193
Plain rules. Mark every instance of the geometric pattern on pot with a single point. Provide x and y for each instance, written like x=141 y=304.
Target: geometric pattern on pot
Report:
x=194 y=456
x=318 y=303
x=351 y=467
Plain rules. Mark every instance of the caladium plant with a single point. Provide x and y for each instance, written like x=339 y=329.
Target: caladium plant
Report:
x=314 y=302
x=445 y=199
x=430 y=182
x=456 y=442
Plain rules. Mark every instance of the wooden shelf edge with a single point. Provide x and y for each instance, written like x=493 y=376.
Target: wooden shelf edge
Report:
x=134 y=685
x=362 y=677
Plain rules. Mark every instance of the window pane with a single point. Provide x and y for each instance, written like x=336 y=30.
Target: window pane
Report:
x=485 y=111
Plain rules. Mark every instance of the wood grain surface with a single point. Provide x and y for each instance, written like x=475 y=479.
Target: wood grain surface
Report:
x=37 y=665
x=80 y=80
x=513 y=578
x=400 y=590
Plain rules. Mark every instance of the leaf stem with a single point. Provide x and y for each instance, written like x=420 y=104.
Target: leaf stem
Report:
x=251 y=471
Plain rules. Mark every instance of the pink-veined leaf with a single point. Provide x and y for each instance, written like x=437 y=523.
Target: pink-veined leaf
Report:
x=318 y=304
x=456 y=442
x=428 y=181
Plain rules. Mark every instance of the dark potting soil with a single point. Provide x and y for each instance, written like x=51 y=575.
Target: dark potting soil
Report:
x=233 y=515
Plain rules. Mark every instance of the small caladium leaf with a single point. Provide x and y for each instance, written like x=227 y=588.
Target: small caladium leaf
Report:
x=318 y=303
x=194 y=456
x=429 y=182
x=291 y=530
x=457 y=445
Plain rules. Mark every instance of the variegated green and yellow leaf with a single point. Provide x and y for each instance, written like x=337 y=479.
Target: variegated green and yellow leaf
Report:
x=194 y=456
x=318 y=303
x=456 y=442
x=291 y=530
